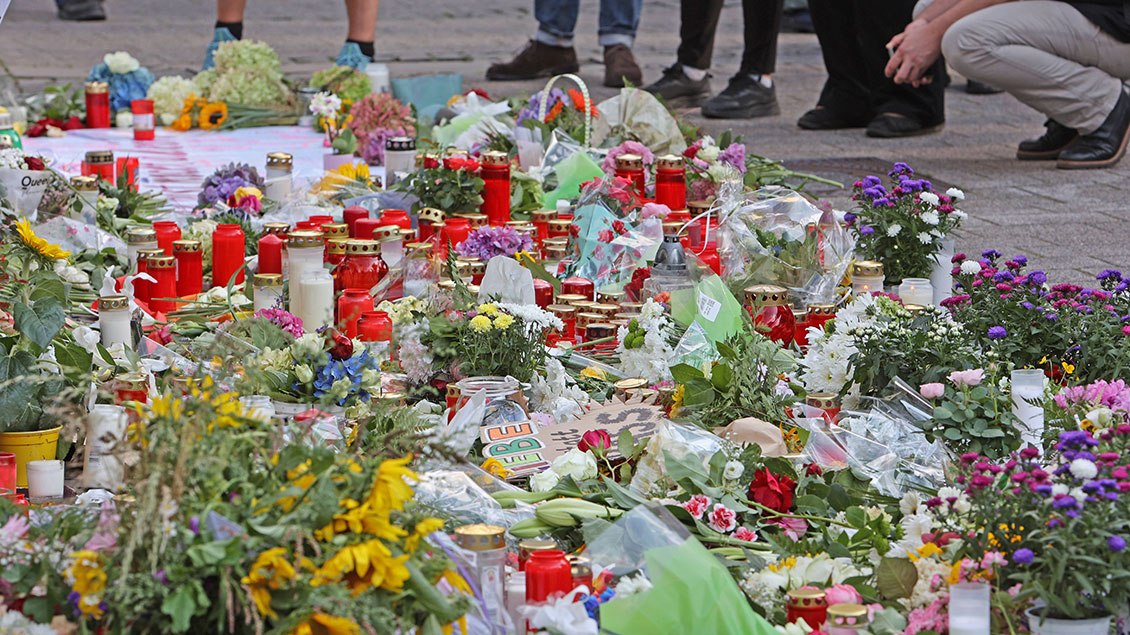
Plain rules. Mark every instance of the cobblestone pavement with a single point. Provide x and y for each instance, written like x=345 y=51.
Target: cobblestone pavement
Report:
x=1067 y=222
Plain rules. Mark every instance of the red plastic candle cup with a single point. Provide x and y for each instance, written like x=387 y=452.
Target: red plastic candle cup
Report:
x=350 y=306
x=144 y=121
x=547 y=573
x=495 y=174
x=308 y=225
x=578 y=286
x=375 y=326
x=543 y=293
x=321 y=219
x=97 y=105
x=671 y=182
x=270 y=254
x=189 y=255
x=7 y=473
x=127 y=166
x=228 y=245
x=168 y=232
x=351 y=215
x=800 y=336
x=396 y=217
x=455 y=231
x=773 y=311
x=163 y=270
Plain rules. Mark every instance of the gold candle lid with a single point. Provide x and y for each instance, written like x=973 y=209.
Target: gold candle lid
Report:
x=431 y=215
x=848 y=610
x=698 y=207
x=599 y=330
x=671 y=228
x=276 y=228
x=334 y=230
x=555 y=252
x=530 y=545
x=634 y=307
x=821 y=309
x=627 y=316
x=95 y=88
x=586 y=318
x=361 y=246
x=867 y=268
x=571 y=298
x=822 y=400
x=391 y=397
x=160 y=262
x=494 y=158
x=280 y=159
x=84 y=183
x=146 y=254
x=562 y=311
x=669 y=162
x=629 y=162
x=480 y=537
x=141 y=235
x=186 y=245
x=559 y=224
x=517 y=223
x=406 y=234
x=268 y=280
x=914 y=309
x=630 y=383
x=806 y=597
x=112 y=303
x=135 y=381
x=100 y=156
x=613 y=297
x=767 y=295
x=305 y=238
x=336 y=246
x=477 y=220
x=607 y=310
x=418 y=247
x=543 y=215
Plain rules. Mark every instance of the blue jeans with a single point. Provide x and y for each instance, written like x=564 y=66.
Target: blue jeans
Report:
x=557 y=19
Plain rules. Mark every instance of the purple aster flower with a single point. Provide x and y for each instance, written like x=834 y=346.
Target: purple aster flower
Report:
x=1027 y=305
x=900 y=168
x=1109 y=273
x=871 y=181
x=997 y=332
x=1122 y=286
x=1023 y=556
x=990 y=253
x=875 y=192
x=849 y=217
x=1037 y=278
x=1003 y=276
x=1116 y=543
x=867 y=230
x=881 y=202
x=734 y=156
x=1021 y=260
x=194 y=525
x=1066 y=502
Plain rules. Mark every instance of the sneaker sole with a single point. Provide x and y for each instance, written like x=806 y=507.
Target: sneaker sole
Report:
x=1094 y=165
x=752 y=112
x=913 y=133
x=509 y=77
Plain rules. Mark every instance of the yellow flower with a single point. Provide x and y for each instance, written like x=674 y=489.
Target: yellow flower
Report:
x=480 y=323
x=189 y=104
x=360 y=518
x=489 y=308
x=502 y=322
x=424 y=528
x=322 y=624
x=88 y=580
x=495 y=467
x=247 y=190
x=344 y=175
x=389 y=489
x=787 y=563
x=677 y=396
x=270 y=571
x=1068 y=368
x=362 y=566
x=594 y=372
x=182 y=123
x=37 y=244
x=213 y=115
x=925 y=551
x=457 y=582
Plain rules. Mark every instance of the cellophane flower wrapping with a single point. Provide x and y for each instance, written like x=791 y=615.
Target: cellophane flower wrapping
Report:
x=781 y=238
x=609 y=245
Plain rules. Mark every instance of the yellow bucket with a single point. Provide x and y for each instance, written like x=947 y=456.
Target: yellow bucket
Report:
x=29 y=446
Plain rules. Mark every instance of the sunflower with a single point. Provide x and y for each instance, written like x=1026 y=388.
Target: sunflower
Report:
x=344 y=175
x=362 y=566
x=37 y=244
x=322 y=624
x=213 y=114
x=424 y=528
x=389 y=489
x=270 y=571
x=182 y=123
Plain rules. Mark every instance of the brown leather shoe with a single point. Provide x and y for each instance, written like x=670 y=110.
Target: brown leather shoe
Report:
x=620 y=67
x=534 y=61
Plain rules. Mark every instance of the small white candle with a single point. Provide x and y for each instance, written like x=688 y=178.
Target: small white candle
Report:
x=916 y=291
x=969 y=609
x=1027 y=405
x=113 y=321
x=316 y=290
x=45 y=479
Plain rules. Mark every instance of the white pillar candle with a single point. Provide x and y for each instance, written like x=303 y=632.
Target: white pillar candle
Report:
x=300 y=260
x=400 y=158
x=113 y=321
x=268 y=290
x=45 y=479
x=1028 y=406
x=941 y=274
x=969 y=609
x=316 y=290
x=916 y=291
x=106 y=426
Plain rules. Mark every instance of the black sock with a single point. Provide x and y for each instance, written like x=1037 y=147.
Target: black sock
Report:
x=366 y=47
x=236 y=28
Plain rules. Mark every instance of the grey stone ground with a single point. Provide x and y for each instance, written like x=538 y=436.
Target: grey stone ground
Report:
x=1071 y=224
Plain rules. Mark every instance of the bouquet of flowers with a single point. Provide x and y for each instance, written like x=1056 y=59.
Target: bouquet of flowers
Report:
x=323 y=368
x=127 y=78
x=224 y=182
x=200 y=113
x=564 y=111
x=247 y=73
x=711 y=165
x=24 y=178
x=492 y=339
x=903 y=228
x=330 y=117
x=347 y=181
x=453 y=186
x=376 y=118
x=487 y=242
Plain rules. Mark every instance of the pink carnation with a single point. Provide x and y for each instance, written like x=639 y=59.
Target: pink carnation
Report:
x=697 y=505
x=741 y=533
x=723 y=519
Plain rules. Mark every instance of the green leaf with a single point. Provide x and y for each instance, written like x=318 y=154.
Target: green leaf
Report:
x=952 y=434
x=720 y=376
x=625 y=442
x=836 y=550
x=887 y=622
x=49 y=288
x=38 y=609
x=180 y=605
x=838 y=497
x=895 y=578
x=811 y=503
x=856 y=517
x=39 y=322
x=942 y=412
x=209 y=553
x=682 y=373
x=698 y=392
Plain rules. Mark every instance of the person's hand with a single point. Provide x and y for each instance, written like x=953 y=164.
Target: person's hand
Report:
x=913 y=26
x=918 y=47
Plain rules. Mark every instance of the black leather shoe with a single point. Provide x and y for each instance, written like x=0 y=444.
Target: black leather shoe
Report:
x=1055 y=139
x=744 y=98
x=81 y=10
x=678 y=90
x=1103 y=147
x=891 y=125
x=821 y=118
x=974 y=87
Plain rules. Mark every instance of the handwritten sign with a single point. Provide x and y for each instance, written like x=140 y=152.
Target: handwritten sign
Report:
x=516 y=445
x=641 y=419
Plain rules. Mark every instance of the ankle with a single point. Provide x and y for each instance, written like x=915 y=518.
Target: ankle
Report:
x=366 y=47
x=235 y=28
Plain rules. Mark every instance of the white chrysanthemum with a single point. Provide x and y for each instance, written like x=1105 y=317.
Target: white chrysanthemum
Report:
x=909 y=504
x=930 y=218
x=557 y=393
x=894 y=230
x=929 y=197
x=924 y=238
x=955 y=194
x=959 y=215
x=1084 y=468
x=1059 y=489
x=970 y=267
x=633 y=585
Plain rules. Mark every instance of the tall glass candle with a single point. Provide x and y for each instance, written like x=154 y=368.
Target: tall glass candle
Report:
x=268 y=289
x=113 y=321
x=916 y=291
x=969 y=609
x=350 y=306
x=630 y=166
x=1028 y=405
x=278 y=179
x=45 y=479
x=671 y=182
x=143 y=289
x=867 y=277
x=162 y=268
x=316 y=288
x=137 y=239
x=228 y=245
x=400 y=158
x=363 y=267
x=305 y=253
x=168 y=232
x=106 y=426
x=495 y=174
x=189 y=255
x=144 y=121
x=351 y=215
x=941 y=272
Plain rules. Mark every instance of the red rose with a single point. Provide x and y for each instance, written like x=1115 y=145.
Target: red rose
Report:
x=605 y=236
x=431 y=163
x=812 y=469
x=595 y=440
x=618 y=225
x=470 y=165
x=772 y=490
x=692 y=151
x=74 y=123
x=342 y=346
x=34 y=163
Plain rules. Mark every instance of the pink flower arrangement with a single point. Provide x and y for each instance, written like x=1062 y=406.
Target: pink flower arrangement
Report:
x=286 y=321
x=655 y=210
x=1114 y=395
x=628 y=147
x=697 y=505
x=722 y=519
x=382 y=114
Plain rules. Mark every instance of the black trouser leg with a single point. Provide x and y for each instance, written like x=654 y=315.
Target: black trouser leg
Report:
x=699 y=22
x=762 y=23
x=884 y=20
x=847 y=89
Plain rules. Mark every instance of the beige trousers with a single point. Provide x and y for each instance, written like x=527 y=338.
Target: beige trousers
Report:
x=1046 y=54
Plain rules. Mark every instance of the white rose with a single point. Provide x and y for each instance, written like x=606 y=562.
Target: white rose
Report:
x=955 y=194
x=579 y=465
x=894 y=230
x=909 y=503
x=1084 y=468
x=929 y=197
x=304 y=373
x=970 y=267
x=733 y=470
x=87 y=338
x=930 y=218
x=121 y=62
x=544 y=481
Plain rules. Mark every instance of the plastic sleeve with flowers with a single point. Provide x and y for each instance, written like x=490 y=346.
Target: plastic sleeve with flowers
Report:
x=610 y=249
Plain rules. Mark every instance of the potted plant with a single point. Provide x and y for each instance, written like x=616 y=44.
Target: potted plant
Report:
x=1063 y=524
x=330 y=116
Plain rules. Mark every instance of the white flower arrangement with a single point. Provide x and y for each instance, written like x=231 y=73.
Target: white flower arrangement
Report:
x=121 y=62
x=12 y=158
x=650 y=361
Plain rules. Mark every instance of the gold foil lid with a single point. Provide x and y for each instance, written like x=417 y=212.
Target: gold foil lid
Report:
x=135 y=381
x=336 y=246
x=579 y=566
x=100 y=156
x=276 y=228
x=914 y=309
x=697 y=207
x=268 y=280
x=181 y=246
x=599 y=330
x=822 y=400
x=629 y=162
x=867 y=268
x=669 y=162
x=559 y=224
x=543 y=215
x=671 y=228
x=335 y=230
x=821 y=309
x=767 y=295
x=280 y=159
x=495 y=158
x=585 y=318
x=627 y=316
x=418 y=247
x=84 y=183
x=555 y=252
x=530 y=545
x=145 y=254
x=406 y=234
x=390 y=397
x=630 y=383
x=305 y=238
x=477 y=220
x=562 y=311
x=849 y=610
x=634 y=307
x=605 y=309
x=141 y=235
x=160 y=262
x=480 y=537
x=613 y=297
x=112 y=303
x=361 y=246
x=431 y=215
x=95 y=88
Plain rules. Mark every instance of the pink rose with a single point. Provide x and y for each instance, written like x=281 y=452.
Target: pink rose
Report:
x=657 y=210
x=970 y=378
x=741 y=533
x=722 y=519
x=931 y=391
x=697 y=505
x=842 y=594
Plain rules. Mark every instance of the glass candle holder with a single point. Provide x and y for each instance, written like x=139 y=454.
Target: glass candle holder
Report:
x=867 y=277
x=189 y=255
x=351 y=305
x=168 y=232
x=106 y=426
x=144 y=121
x=495 y=174
x=316 y=290
x=137 y=239
x=97 y=105
x=769 y=306
x=916 y=291
x=671 y=182
x=99 y=164
x=268 y=290
x=1028 y=406
x=969 y=609
x=45 y=479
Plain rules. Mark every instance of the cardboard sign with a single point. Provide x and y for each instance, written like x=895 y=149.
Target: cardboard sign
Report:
x=516 y=445
x=641 y=419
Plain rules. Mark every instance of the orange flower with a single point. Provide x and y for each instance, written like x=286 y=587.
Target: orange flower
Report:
x=212 y=115
x=579 y=101
x=182 y=123
x=553 y=112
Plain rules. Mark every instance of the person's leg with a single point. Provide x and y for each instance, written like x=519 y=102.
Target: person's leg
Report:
x=750 y=92
x=358 y=48
x=618 y=22
x=551 y=50
x=1053 y=59
x=686 y=82
x=229 y=27
x=845 y=99
x=901 y=109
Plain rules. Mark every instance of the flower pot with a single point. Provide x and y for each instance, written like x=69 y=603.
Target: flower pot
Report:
x=29 y=446
x=335 y=161
x=1053 y=626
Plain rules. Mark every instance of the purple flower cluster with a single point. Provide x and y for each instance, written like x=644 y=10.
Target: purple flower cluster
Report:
x=225 y=181
x=997 y=332
x=734 y=156
x=286 y=321
x=487 y=242
x=530 y=111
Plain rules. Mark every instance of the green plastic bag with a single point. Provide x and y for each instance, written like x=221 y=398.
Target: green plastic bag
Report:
x=571 y=172
x=692 y=592
x=711 y=306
